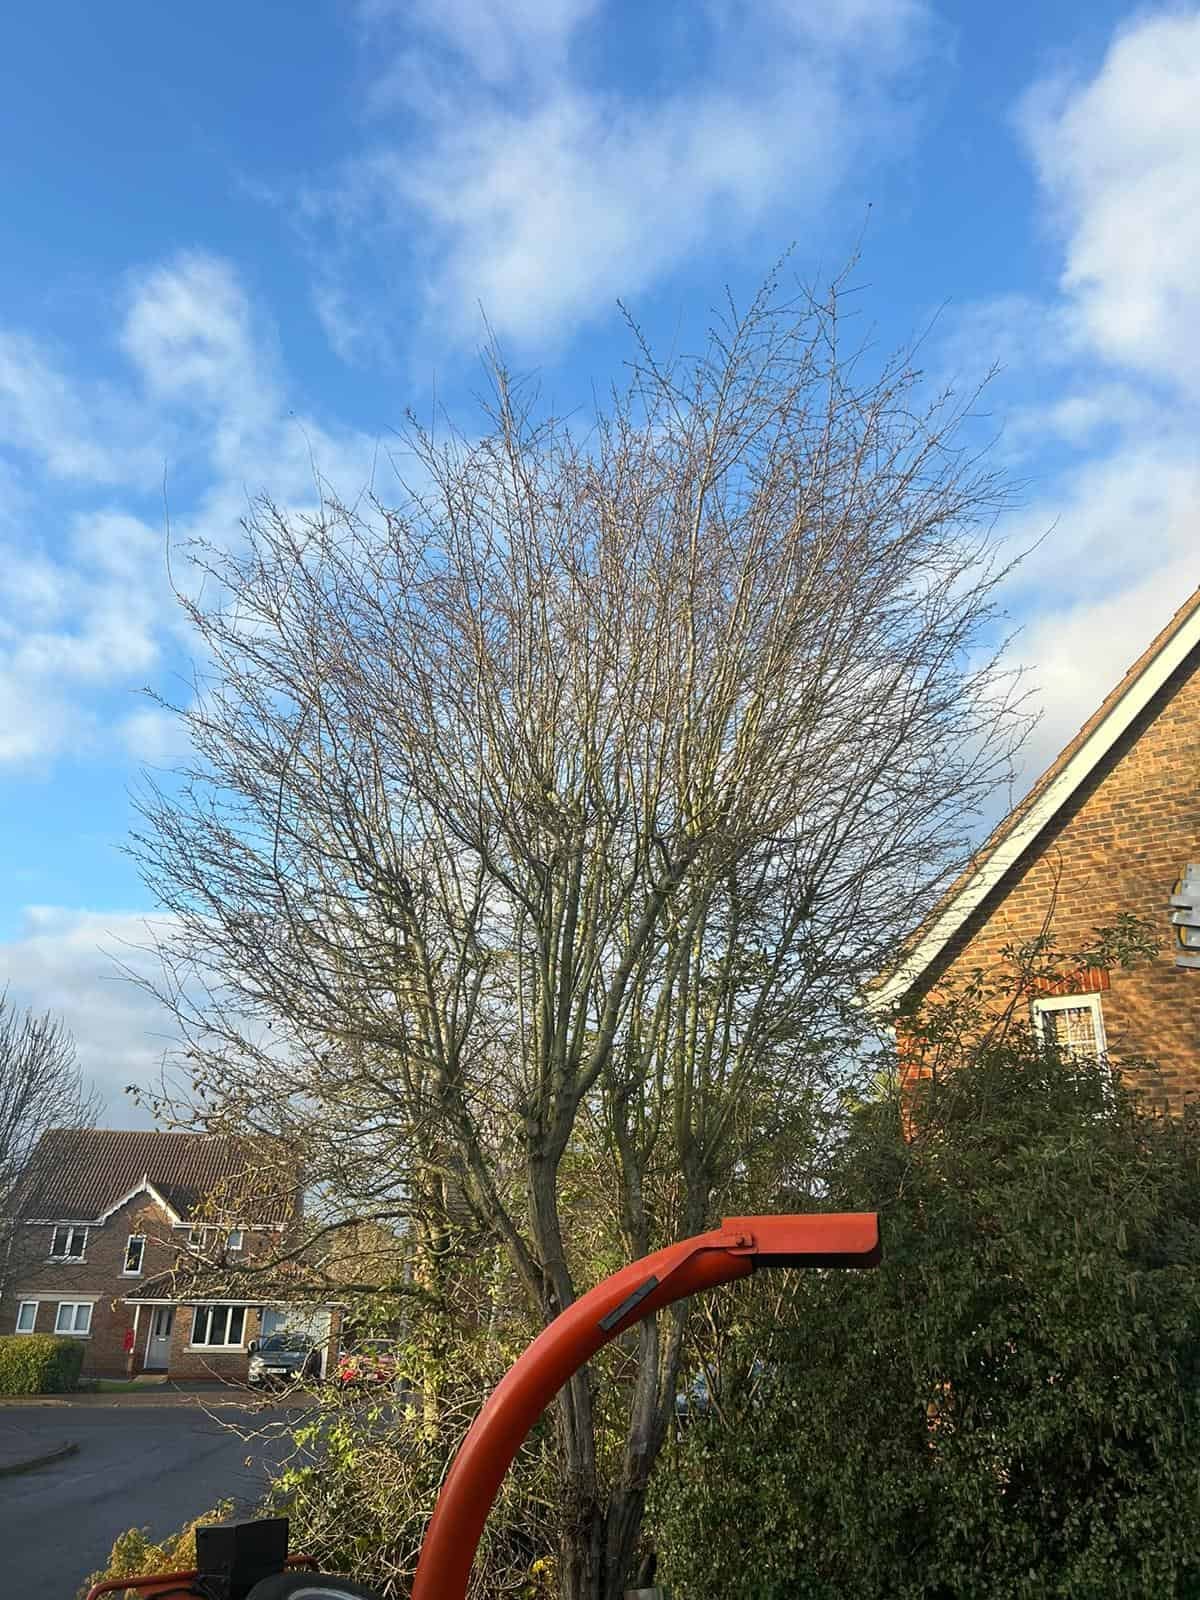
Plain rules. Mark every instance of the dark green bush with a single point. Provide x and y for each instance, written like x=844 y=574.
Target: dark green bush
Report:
x=38 y=1363
x=1006 y=1409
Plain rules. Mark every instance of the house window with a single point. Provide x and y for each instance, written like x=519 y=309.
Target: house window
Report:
x=236 y=1239
x=134 y=1251
x=74 y=1316
x=68 y=1244
x=1073 y=1022
x=221 y=1326
x=26 y=1316
x=198 y=1236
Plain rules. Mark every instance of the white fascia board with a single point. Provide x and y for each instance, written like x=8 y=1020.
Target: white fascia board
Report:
x=245 y=1226
x=256 y=1304
x=1094 y=748
x=67 y=1292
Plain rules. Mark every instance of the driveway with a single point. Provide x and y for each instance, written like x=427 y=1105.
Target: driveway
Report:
x=138 y=1466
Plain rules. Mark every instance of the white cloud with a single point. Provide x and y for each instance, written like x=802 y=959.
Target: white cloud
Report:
x=86 y=610
x=1119 y=161
x=1121 y=562
x=500 y=39
x=83 y=432
x=1115 y=362
x=74 y=625
x=156 y=737
x=66 y=961
x=544 y=196
x=1116 y=517
x=189 y=336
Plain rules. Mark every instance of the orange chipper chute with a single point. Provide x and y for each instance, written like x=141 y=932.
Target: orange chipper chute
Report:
x=740 y=1246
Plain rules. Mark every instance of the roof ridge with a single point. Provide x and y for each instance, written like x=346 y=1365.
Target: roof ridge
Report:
x=84 y=1172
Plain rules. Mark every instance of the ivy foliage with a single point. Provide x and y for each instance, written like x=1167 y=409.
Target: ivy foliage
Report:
x=1007 y=1407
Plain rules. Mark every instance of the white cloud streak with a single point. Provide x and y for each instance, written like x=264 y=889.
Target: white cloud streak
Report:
x=543 y=196
x=1117 y=158
x=68 y=961
x=86 y=612
x=1115 y=362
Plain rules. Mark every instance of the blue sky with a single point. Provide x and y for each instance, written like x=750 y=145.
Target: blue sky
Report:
x=238 y=239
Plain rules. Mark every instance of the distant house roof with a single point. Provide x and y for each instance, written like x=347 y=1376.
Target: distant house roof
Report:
x=84 y=1174
x=1022 y=826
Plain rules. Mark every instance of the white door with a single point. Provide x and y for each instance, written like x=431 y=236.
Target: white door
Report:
x=158 y=1344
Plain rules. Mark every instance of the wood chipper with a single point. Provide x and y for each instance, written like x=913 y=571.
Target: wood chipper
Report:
x=249 y=1561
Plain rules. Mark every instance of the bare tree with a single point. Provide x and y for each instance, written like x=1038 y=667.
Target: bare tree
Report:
x=553 y=819
x=41 y=1087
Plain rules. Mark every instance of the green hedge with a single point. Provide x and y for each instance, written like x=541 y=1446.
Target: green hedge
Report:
x=38 y=1363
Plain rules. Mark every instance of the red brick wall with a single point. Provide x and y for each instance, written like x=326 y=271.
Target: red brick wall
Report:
x=1119 y=846
x=188 y=1365
x=99 y=1275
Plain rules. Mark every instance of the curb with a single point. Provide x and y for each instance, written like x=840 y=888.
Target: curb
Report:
x=32 y=1463
x=151 y=1401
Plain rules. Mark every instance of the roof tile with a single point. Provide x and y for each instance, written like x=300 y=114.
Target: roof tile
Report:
x=77 y=1174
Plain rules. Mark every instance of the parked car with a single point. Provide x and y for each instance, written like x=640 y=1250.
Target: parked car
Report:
x=374 y=1365
x=283 y=1358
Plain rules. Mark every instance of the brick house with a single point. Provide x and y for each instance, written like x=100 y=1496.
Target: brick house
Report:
x=1109 y=828
x=108 y=1222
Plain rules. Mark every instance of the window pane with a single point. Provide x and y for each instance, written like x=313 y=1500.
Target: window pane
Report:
x=78 y=1241
x=133 y=1254
x=83 y=1318
x=63 y=1321
x=59 y=1244
x=200 y=1318
x=1072 y=1028
x=26 y=1316
x=235 y=1239
x=237 y=1320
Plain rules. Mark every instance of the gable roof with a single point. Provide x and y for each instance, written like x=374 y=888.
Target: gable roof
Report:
x=1010 y=839
x=84 y=1174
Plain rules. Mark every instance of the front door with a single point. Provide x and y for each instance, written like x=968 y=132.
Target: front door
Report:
x=158 y=1345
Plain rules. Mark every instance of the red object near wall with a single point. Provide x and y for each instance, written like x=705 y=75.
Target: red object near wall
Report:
x=740 y=1246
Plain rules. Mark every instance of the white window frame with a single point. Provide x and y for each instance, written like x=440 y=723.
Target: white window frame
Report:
x=1072 y=1002
x=70 y=1229
x=238 y=1234
x=134 y=1272
x=32 y=1328
x=209 y=1314
x=75 y=1307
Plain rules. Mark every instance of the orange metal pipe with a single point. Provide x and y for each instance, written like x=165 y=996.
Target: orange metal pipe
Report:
x=737 y=1248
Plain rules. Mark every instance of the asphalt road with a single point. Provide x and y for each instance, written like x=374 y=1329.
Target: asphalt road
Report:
x=138 y=1466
